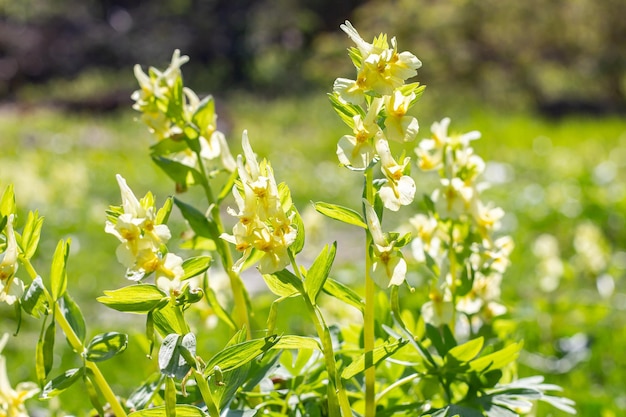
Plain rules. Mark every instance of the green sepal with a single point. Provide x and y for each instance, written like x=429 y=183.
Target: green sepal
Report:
x=105 y=346
x=61 y=383
x=342 y=214
x=140 y=298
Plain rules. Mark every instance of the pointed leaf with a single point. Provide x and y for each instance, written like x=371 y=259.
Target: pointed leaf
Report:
x=297 y=342
x=465 y=352
x=318 y=272
x=172 y=362
x=34 y=301
x=31 y=234
x=142 y=396
x=7 y=202
x=344 y=293
x=198 y=222
x=139 y=298
x=58 y=274
x=44 y=354
x=343 y=214
x=73 y=315
x=180 y=173
x=61 y=383
x=497 y=360
x=195 y=266
x=366 y=360
x=240 y=354
x=106 y=345
x=181 y=411
x=283 y=283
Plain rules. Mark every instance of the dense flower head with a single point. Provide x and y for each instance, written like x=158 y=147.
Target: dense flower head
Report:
x=380 y=68
x=168 y=108
x=142 y=249
x=265 y=220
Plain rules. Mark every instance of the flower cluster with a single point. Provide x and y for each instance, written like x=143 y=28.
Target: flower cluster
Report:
x=11 y=287
x=265 y=214
x=12 y=399
x=174 y=112
x=138 y=226
x=457 y=237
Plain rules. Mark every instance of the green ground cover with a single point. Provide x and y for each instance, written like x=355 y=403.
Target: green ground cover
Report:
x=560 y=182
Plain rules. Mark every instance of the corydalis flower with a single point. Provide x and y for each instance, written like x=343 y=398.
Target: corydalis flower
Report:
x=388 y=264
x=357 y=150
x=399 y=126
x=399 y=190
x=11 y=288
x=142 y=249
x=263 y=224
x=380 y=68
x=12 y=400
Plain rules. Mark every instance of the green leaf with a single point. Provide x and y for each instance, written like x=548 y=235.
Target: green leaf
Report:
x=44 y=353
x=58 y=273
x=61 y=383
x=140 y=298
x=237 y=355
x=142 y=396
x=344 y=293
x=172 y=361
x=106 y=345
x=34 y=301
x=219 y=311
x=195 y=266
x=318 y=272
x=298 y=244
x=346 y=111
x=204 y=115
x=343 y=214
x=283 y=283
x=465 y=352
x=92 y=392
x=180 y=173
x=368 y=359
x=198 y=222
x=167 y=146
x=31 y=234
x=164 y=212
x=166 y=320
x=7 y=202
x=297 y=342
x=73 y=315
x=181 y=411
x=497 y=360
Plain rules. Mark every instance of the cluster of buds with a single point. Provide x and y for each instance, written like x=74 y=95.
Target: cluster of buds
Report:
x=139 y=227
x=11 y=287
x=457 y=238
x=172 y=111
x=266 y=214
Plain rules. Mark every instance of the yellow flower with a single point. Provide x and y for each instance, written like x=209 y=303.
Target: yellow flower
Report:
x=399 y=190
x=399 y=126
x=357 y=150
x=12 y=400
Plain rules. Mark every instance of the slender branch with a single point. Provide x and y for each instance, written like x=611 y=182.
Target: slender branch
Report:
x=368 y=325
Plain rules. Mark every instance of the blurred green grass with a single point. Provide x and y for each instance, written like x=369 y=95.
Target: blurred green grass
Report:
x=562 y=178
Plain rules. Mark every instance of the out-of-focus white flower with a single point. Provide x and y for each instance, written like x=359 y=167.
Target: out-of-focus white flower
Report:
x=12 y=400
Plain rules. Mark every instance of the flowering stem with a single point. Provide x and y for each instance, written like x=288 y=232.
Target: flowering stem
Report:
x=78 y=347
x=368 y=325
x=336 y=403
x=240 y=295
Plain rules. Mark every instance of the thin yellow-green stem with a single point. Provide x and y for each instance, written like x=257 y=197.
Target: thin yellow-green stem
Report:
x=337 y=398
x=79 y=348
x=368 y=315
x=205 y=391
x=241 y=313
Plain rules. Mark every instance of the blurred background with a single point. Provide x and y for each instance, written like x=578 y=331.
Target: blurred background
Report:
x=544 y=81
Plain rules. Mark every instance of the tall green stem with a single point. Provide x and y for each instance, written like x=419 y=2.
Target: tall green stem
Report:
x=240 y=296
x=368 y=325
x=79 y=348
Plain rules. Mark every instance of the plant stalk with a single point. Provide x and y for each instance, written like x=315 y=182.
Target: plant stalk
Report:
x=369 y=313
